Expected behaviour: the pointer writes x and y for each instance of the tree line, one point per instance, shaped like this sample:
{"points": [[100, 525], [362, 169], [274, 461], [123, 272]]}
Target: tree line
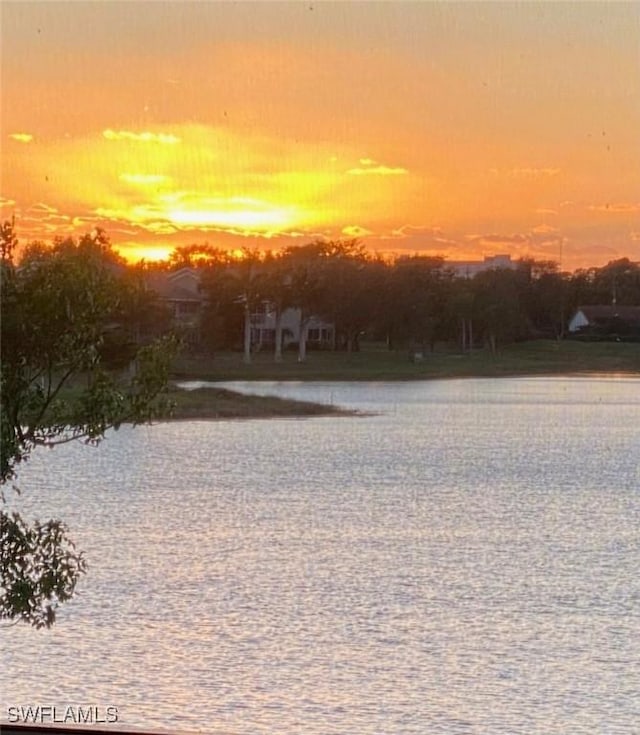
{"points": [[410, 302]]}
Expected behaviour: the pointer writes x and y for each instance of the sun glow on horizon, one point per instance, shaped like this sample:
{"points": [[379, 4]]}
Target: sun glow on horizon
{"points": [[197, 178], [144, 179], [237, 213], [250, 221], [144, 137], [136, 252], [21, 137], [417, 127]]}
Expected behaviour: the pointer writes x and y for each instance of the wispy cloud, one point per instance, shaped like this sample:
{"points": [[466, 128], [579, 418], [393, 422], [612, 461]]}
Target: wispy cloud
{"points": [[378, 171], [618, 208], [495, 239], [544, 229], [546, 211], [143, 179], [21, 137], [369, 166], [42, 207], [526, 172], [40, 221], [194, 211], [421, 239], [86, 219], [414, 230], [356, 231], [144, 137]]}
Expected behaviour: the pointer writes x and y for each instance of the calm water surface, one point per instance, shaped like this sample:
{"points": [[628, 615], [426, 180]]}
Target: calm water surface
{"points": [[464, 560]]}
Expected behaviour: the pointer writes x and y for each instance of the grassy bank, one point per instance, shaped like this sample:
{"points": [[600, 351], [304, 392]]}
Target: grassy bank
{"points": [[217, 403], [375, 362]]}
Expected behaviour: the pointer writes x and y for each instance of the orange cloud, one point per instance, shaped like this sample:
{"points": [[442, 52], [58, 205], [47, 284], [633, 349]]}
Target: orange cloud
{"points": [[42, 207], [413, 230], [377, 171], [544, 229], [356, 231], [143, 179], [621, 208], [21, 137], [252, 215], [144, 137], [526, 172], [215, 180]]}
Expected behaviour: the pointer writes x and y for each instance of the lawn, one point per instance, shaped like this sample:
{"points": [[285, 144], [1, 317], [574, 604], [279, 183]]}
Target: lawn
{"points": [[375, 362]]}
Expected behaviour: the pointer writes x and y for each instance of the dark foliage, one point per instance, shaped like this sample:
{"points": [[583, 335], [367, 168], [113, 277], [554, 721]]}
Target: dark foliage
{"points": [[72, 368]]}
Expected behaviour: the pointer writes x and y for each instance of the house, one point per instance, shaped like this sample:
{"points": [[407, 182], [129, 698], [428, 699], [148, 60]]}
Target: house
{"points": [[470, 268], [319, 333], [606, 320], [180, 291]]}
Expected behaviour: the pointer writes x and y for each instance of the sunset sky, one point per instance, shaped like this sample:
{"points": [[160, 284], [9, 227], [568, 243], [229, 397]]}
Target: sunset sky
{"points": [[458, 129]]}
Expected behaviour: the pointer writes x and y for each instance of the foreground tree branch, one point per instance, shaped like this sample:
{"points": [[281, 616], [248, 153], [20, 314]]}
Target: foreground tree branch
{"points": [[64, 310]]}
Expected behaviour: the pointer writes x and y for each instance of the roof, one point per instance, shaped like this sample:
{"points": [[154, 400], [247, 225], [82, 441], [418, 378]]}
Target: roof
{"points": [[166, 285], [600, 312]]}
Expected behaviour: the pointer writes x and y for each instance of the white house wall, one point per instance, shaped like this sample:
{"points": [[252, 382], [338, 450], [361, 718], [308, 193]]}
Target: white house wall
{"points": [[290, 323], [578, 321]]}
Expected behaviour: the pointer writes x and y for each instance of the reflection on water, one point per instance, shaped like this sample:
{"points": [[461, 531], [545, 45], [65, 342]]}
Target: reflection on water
{"points": [[463, 561]]}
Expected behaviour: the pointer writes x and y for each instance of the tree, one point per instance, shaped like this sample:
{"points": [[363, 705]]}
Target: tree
{"points": [[544, 293], [418, 288], [234, 291], [276, 290], [8, 240], [498, 307], [351, 290], [61, 307], [459, 312], [305, 266], [194, 256], [247, 274], [618, 282]]}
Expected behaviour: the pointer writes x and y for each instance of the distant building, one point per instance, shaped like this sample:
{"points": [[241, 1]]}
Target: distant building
{"points": [[180, 291], [606, 318], [470, 268], [319, 333]]}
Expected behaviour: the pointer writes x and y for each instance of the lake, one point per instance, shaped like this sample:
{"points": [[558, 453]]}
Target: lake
{"points": [[464, 558]]}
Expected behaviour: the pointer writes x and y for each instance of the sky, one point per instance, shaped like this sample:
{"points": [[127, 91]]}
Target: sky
{"points": [[461, 129]]}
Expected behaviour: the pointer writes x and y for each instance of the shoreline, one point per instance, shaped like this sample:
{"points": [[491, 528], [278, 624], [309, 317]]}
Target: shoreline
{"points": [[222, 382], [219, 403], [222, 404], [375, 363]]}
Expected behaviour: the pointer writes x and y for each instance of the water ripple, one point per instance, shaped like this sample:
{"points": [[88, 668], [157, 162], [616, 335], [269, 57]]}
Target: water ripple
{"points": [[464, 561]]}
